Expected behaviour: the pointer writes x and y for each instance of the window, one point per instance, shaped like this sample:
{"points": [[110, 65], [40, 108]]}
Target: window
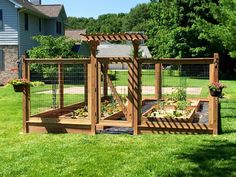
{"points": [[58, 27], [40, 25], [1, 19], [26, 22], [1, 60]]}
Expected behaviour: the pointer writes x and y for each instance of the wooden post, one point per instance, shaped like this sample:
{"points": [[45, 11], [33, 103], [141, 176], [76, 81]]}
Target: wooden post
{"points": [[213, 102], [137, 95], [130, 93], [105, 85], [61, 85], [158, 81], [93, 89], [86, 83], [26, 95]]}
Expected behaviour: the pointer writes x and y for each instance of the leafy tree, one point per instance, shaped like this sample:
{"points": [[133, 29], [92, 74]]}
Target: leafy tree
{"points": [[137, 19], [226, 30], [53, 47], [182, 29]]}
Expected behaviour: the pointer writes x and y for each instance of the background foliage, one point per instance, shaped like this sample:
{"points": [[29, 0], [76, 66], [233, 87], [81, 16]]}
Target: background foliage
{"points": [[176, 28]]}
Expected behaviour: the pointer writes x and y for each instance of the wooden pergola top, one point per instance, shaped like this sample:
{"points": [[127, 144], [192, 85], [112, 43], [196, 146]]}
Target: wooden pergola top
{"points": [[114, 37]]}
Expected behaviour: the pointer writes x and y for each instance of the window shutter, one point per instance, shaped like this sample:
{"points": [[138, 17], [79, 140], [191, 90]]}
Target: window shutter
{"points": [[1, 60]]}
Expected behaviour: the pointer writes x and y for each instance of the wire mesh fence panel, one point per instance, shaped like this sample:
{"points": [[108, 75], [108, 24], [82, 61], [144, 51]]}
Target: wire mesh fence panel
{"points": [[75, 79], [117, 90], [183, 88], [148, 80], [193, 79], [44, 97]]}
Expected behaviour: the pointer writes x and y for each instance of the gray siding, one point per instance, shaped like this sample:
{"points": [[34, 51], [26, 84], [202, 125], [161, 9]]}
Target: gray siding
{"points": [[26, 41], [50, 27], [9, 33]]}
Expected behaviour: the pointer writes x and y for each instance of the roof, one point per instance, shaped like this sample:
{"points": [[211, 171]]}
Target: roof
{"points": [[121, 50], [75, 34], [114, 37], [49, 11]]}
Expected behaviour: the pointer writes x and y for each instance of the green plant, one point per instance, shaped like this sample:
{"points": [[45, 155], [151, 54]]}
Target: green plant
{"points": [[112, 75], [18, 82], [216, 86], [37, 83], [178, 95], [182, 105]]}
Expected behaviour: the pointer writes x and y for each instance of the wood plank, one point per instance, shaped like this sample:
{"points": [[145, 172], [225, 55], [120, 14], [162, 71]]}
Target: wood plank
{"points": [[26, 95], [137, 89], [116, 95], [64, 121], [58, 61], [173, 61], [57, 112], [86, 83], [115, 116], [93, 89], [173, 125], [214, 101], [173, 131], [114, 59], [115, 123], [81, 129]]}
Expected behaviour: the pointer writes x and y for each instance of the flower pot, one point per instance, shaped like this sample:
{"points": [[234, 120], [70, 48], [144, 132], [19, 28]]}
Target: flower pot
{"points": [[19, 88], [217, 93]]}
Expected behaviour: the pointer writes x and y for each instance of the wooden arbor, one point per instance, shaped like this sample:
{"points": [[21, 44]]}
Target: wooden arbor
{"points": [[56, 120], [133, 112]]}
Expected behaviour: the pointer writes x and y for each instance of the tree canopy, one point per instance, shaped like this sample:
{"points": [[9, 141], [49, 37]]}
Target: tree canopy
{"points": [[176, 28]]}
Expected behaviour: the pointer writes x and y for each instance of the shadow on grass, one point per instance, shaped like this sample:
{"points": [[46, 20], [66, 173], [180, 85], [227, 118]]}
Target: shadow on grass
{"points": [[212, 158]]}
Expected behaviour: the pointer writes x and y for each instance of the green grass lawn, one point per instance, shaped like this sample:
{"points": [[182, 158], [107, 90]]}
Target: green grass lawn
{"points": [[53, 155]]}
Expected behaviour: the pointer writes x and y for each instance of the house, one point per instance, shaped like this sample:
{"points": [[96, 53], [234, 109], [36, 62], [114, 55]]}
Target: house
{"points": [[19, 21], [121, 50], [75, 34]]}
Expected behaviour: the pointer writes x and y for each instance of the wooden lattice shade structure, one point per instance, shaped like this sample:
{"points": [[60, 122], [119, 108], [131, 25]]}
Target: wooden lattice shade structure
{"points": [[114, 37], [133, 111]]}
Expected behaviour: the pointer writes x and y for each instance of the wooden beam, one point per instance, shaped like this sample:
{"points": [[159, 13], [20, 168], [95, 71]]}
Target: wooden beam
{"points": [[174, 61], [113, 37], [136, 89], [214, 101], [58, 61], [116, 95], [115, 59], [130, 93], [93, 89], [26, 95], [158, 81], [86, 83]]}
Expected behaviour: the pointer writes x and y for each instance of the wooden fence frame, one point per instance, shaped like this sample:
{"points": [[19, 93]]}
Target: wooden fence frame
{"points": [[93, 67]]}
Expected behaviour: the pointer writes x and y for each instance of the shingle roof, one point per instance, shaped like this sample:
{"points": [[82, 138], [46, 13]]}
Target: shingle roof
{"points": [[75, 34], [29, 6], [44, 10], [51, 11], [120, 50]]}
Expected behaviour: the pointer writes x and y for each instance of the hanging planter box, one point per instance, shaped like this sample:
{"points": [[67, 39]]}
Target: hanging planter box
{"points": [[18, 88], [216, 93]]}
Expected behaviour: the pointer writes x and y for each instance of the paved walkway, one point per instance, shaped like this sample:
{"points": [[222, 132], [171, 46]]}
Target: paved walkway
{"points": [[146, 90]]}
